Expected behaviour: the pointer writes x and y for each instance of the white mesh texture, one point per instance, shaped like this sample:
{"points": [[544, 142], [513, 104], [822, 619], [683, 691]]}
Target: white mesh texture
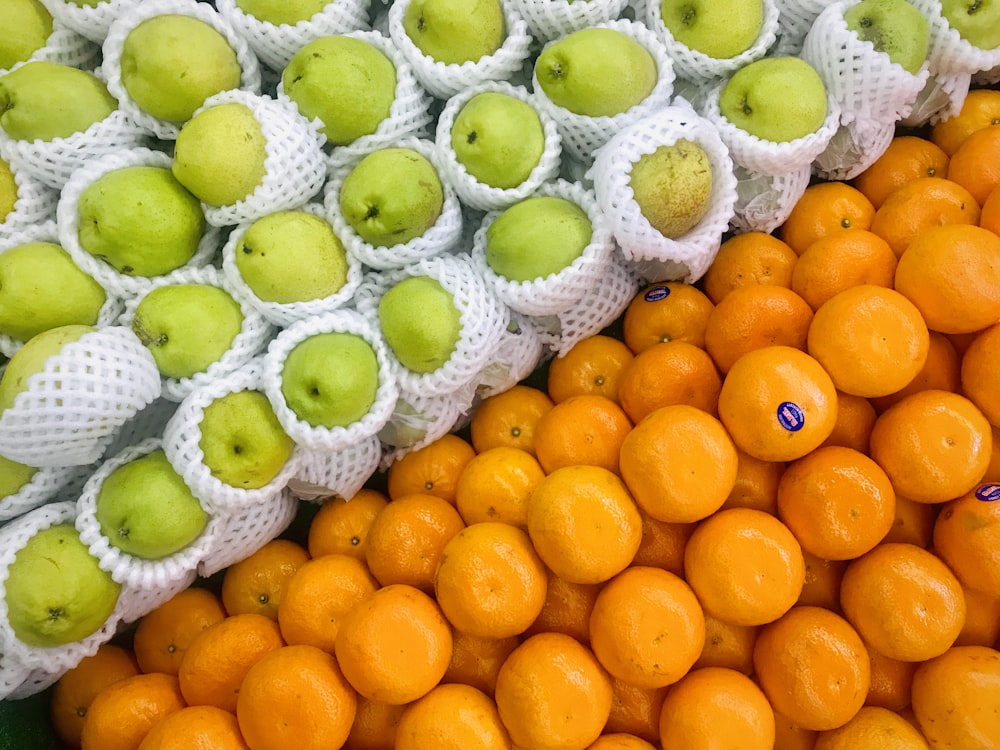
{"points": [[548, 19], [853, 148], [43, 487], [35, 204], [65, 47], [795, 18], [519, 353], [243, 532], [420, 419], [18, 682], [147, 423], [764, 202], [325, 474], [90, 21], [949, 53]]}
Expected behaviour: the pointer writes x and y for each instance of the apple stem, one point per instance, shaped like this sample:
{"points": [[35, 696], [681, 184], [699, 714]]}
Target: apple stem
{"points": [[688, 15], [745, 106], [56, 613], [975, 7], [372, 212]]}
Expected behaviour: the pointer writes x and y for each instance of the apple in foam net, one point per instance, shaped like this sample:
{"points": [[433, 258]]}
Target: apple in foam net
{"points": [[596, 72], [717, 28], [145, 509], [279, 12], [31, 359], [172, 62], [13, 477], [392, 196], [347, 83], [41, 288], [140, 220], [758, 98], [976, 21], [187, 327], [455, 31], [498, 138], [8, 190], [894, 27], [330, 379], [673, 186], [56, 593], [537, 237], [27, 25], [420, 322], [291, 256]]}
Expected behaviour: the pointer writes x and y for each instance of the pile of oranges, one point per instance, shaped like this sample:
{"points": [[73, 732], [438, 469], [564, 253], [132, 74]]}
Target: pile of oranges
{"points": [[764, 514]]}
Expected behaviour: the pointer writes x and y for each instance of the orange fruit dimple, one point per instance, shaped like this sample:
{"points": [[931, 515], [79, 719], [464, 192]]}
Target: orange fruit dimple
{"points": [[908, 157], [920, 205], [164, 634], [258, 582], [967, 537], [124, 712], [674, 372], [196, 728], [452, 717], [748, 259], [980, 109], [978, 369], [841, 260], [432, 469], [666, 311], [976, 164], [825, 208], [509, 418], [341, 526], [592, 365]]}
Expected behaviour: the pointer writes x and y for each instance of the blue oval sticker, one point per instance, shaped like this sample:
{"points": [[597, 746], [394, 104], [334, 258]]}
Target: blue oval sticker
{"points": [[790, 416], [988, 492], [656, 293]]}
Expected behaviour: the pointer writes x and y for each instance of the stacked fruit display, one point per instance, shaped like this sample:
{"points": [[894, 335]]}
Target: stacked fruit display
{"points": [[254, 253]]}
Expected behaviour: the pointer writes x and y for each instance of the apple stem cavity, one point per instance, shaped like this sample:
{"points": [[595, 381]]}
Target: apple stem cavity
{"points": [[689, 15]]}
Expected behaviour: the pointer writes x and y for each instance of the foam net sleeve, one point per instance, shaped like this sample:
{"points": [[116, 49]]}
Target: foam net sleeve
{"points": [[444, 80], [419, 419], [520, 351], [122, 26], [853, 148], [325, 474], [243, 532], [89, 21], [548, 19], [35, 204], [471, 191], [272, 374], [65, 47], [795, 18], [581, 134], [72, 408], [764, 202], [638, 239], [276, 44], [44, 486]]}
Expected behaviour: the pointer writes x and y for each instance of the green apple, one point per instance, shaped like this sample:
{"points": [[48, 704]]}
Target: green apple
{"points": [[187, 327], [43, 100], [391, 196], [420, 322], [346, 83], [455, 31], [330, 379], [758, 98], [976, 21], [536, 237], [31, 358], [171, 63], [596, 72], [27, 25], [13, 477], [56, 593], [717, 28], [279, 12], [41, 287], [498, 138], [291, 256], [243, 443], [673, 186], [8, 190], [220, 153], [894, 27], [141, 220], [145, 509]]}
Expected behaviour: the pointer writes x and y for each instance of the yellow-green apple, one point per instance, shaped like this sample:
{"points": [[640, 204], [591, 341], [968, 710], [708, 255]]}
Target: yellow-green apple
{"points": [[280, 12], [455, 31], [673, 186], [717, 28], [13, 477], [894, 27], [8, 190], [27, 25], [31, 359], [976, 21], [420, 322]]}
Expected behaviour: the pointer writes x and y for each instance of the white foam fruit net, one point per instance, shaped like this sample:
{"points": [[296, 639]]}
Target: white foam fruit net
{"points": [[694, 250], [420, 419], [471, 191], [272, 377], [251, 340], [285, 313], [147, 423], [18, 682], [482, 318], [243, 532], [409, 114], [181, 444], [294, 168], [325, 474], [276, 44], [693, 64], [583, 135], [91, 21], [763, 202], [519, 352], [123, 25], [853, 148], [65, 47], [71, 410], [35, 204], [43, 487], [444, 80], [548, 19], [68, 222], [795, 18], [441, 237]]}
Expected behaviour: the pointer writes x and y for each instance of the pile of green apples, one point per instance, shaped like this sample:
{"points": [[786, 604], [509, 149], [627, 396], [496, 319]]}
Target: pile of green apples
{"points": [[216, 233]]}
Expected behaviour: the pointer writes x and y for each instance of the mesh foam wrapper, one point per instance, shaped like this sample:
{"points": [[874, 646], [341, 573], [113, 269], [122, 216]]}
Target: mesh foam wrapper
{"points": [[420, 419], [581, 134], [598, 309], [52, 659], [410, 113], [940, 99], [638, 239], [68, 222], [868, 86], [47, 232], [441, 237], [984, 78], [329, 438], [18, 682], [795, 18], [294, 167], [482, 319], [130, 570], [325, 474], [764, 202], [90, 21], [252, 339], [276, 44], [690, 63], [35, 204], [53, 162], [854, 148], [770, 157], [548, 19], [182, 434], [45, 486], [124, 24], [65, 47], [444, 80], [520, 351], [470, 190], [278, 313], [147, 423], [245, 531], [71, 410]]}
